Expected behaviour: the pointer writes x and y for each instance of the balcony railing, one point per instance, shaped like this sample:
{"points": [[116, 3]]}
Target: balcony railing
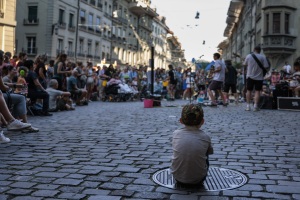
{"points": [[61, 25], [97, 57], [82, 27], [280, 43], [70, 53], [72, 28], [31, 21], [32, 50], [81, 54], [59, 51], [89, 56]]}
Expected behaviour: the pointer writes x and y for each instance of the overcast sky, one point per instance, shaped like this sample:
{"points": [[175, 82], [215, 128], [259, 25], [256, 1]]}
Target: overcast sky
{"points": [[180, 17]]}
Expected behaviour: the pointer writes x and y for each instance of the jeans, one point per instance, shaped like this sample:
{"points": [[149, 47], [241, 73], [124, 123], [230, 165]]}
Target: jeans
{"points": [[19, 103], [38, 94]]}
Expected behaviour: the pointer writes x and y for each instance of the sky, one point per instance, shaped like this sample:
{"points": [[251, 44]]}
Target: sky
{"points": [[191, 32]]}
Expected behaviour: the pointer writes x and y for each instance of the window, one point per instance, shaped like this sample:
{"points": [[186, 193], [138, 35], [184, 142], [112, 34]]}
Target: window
{"points": [[92, 2], [286, 23], [267, 23], [82, 16], [98, 23], [71, 20], [31, 45], [90, 22], [1, 8], [81, 43], [32, 13], [70, 46], [60, 45], [61, 16], [276, 22], [96, 49], [89, 48]]}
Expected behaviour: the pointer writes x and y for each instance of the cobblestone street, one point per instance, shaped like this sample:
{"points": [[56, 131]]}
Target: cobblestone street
{"points": [[111, 150]]}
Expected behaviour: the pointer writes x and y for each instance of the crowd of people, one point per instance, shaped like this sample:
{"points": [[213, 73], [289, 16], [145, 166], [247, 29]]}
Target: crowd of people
{"points": [[44, 87]]}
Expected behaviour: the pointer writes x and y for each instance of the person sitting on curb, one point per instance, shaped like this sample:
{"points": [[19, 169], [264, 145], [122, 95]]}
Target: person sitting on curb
{"points": [[7, 119], [35, 89], [58, 100], [191, 147], [79, 95]]}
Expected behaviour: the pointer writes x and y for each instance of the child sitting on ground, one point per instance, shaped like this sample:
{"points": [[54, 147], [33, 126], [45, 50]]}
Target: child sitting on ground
{"points": [[191, 147]]}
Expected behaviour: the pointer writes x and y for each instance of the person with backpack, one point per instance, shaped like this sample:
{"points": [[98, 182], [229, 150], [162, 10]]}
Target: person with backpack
{"points": [[257, 66]]}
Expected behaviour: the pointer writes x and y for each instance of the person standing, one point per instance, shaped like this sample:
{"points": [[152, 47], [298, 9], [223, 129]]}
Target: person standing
{"points": [[218, 79], [172, 83], [255, 75], [230, 81], [287, 68]]}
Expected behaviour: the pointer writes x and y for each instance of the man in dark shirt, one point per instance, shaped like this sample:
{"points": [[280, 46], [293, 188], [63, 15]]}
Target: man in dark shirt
{"points": [[230, 81], [172, 83]]}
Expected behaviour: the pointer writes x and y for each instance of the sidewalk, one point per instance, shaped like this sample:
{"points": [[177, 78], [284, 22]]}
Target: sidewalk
{"points": [[111, 150]]}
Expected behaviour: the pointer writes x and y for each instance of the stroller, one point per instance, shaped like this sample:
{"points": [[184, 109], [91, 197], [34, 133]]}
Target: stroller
{"points": [[114, 93]]}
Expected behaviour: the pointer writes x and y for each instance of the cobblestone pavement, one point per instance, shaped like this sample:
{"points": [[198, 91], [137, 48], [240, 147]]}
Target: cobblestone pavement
{"points": [[111, 150]]}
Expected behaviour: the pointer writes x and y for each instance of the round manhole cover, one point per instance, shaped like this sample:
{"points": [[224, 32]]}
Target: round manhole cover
{"points": [[217, 179]]}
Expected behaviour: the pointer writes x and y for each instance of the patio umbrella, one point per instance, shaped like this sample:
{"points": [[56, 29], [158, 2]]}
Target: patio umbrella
{"points": [[209, 65]]}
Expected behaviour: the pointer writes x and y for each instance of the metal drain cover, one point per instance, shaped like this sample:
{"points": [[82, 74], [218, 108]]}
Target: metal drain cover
{"points": [[217, 179]]}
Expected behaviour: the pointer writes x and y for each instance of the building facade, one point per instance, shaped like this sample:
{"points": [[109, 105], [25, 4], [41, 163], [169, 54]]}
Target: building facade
{"points": [[97, 31], [7, 25], [272, 24]]}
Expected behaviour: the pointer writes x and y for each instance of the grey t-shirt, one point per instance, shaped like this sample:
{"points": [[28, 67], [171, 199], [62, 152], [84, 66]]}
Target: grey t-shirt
{"points": [[53, 94], [190, 146], [253, 70], [219, 76]]}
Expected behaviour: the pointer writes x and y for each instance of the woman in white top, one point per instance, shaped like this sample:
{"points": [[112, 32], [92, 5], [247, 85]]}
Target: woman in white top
{"points": [[189, 91]]}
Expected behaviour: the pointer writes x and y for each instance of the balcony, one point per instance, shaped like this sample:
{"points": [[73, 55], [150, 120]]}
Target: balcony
{"points": [[123, 20], [279, 44], [97, 57], [89, 56], [61, 25], [72, 28], [81, 54], [140, 8], [59, 51], [91, 29], [146, 27], [28, 22], [32, 51], [82, 27], [70, 54]]}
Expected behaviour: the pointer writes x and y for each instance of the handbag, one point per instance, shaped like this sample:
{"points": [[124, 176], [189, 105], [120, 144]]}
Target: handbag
{"points": [[259, 64]]}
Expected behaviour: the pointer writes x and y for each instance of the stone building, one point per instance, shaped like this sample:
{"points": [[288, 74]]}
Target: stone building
{"points": [[273, 24], [98, 31], [7, 25]]}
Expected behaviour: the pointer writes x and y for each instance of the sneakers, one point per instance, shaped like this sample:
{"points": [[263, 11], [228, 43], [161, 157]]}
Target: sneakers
{"points": [[17, 125], [30, 130], [3, 138], [248, 108]]}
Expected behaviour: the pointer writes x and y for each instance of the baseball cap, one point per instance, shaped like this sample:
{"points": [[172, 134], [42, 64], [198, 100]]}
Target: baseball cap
{"points": [[192, 114]]}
